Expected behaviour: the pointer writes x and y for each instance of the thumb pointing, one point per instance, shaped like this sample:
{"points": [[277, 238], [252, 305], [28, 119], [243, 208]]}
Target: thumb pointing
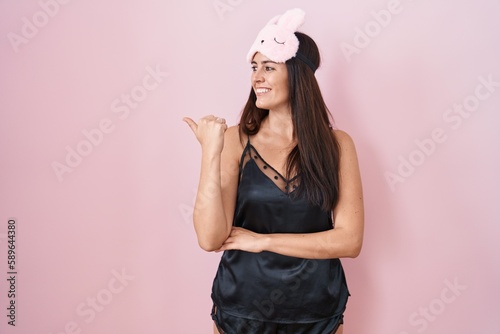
{"points": [[192, 124]]}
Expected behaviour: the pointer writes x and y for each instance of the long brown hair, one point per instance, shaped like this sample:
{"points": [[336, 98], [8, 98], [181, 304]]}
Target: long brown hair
{"points": [[316, 156]]}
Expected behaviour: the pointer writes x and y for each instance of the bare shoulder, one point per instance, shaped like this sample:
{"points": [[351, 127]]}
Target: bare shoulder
{"points": [[233, 146], [233, 132], [232, 137], [345, 141]]}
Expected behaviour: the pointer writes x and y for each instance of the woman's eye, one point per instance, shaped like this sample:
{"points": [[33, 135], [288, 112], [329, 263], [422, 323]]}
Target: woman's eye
{"points": [[267, 69]]}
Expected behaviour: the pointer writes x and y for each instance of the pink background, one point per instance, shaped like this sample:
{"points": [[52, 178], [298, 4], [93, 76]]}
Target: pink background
{"points": [[125, 206]]}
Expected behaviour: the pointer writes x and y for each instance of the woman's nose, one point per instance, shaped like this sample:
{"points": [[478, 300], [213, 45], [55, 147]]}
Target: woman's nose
{"points": [[257, 76]]}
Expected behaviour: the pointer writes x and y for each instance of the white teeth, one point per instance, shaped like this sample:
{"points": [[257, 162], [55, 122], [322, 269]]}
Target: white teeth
{"points": [[262, 90]]}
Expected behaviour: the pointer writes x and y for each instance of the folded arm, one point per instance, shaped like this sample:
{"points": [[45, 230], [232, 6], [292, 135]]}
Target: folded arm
{"points": [[216, 195], [345, 240]]}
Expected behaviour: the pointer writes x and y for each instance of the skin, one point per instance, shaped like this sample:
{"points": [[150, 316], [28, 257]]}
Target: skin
{"points": [[221, 151]]}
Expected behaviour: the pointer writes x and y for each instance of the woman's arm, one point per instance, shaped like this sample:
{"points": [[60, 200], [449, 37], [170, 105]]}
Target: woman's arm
{"points": [[216, 195], [345, 240]]}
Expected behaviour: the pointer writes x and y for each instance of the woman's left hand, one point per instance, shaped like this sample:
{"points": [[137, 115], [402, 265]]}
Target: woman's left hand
{"points": [[243, 239]]}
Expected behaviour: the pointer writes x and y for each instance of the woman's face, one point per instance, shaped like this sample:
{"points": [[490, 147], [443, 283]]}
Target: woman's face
{"points": [[270, 83]]}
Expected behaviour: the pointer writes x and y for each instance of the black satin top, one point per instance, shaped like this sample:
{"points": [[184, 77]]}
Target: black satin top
{"points": [[268, 286]]}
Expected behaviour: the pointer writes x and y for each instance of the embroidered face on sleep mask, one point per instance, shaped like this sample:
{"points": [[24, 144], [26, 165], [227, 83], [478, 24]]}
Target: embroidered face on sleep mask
{"points": [[277, 40]]}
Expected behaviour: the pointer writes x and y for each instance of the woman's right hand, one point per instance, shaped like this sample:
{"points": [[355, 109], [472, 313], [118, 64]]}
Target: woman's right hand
{"points": [[209, 132]]}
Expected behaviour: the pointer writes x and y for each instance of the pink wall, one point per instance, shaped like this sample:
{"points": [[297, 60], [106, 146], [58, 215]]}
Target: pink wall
{"points": [[104, 242]]}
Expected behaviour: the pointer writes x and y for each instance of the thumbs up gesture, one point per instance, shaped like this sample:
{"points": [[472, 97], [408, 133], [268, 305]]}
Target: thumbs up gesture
{"points": [[209, 131]]}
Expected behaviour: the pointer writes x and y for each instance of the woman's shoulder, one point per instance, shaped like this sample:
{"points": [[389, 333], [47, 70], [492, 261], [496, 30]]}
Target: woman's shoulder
{"points": [[344, 139], [233, 143], [233, 135], [341, 135], [233, 130]]}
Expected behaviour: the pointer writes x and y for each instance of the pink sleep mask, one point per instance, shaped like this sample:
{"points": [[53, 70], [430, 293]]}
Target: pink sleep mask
{"points": [[277, 40]]}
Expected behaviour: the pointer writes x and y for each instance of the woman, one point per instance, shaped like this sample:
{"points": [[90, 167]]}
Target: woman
{"points": [[281, 195]]}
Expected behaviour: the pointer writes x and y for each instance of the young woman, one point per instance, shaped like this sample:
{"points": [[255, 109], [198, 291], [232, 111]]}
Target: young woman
{"points": [[281, 195]]}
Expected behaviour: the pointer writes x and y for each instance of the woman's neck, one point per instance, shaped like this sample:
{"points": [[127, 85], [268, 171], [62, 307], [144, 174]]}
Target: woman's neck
{"points": [[280, 123]]}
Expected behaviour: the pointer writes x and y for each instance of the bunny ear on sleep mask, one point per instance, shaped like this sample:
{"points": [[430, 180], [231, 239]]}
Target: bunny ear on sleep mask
{"points": [[277, 40]]}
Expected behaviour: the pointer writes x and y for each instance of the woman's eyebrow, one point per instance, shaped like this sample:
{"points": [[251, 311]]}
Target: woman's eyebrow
{"points": [[265, 62], [268, 61]]}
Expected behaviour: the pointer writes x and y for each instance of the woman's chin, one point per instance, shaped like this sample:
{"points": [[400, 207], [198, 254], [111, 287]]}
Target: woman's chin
{"points": [[261, 104]]}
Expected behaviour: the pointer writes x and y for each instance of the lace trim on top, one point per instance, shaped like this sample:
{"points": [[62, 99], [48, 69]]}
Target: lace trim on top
{"points": [[250, 154]]}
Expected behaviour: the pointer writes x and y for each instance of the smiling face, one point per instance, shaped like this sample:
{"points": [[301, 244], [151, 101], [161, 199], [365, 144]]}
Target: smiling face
{"points": [[270, 83]]}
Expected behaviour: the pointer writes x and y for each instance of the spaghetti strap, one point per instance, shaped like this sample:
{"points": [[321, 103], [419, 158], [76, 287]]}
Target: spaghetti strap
{"points": [[245, 151]]}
